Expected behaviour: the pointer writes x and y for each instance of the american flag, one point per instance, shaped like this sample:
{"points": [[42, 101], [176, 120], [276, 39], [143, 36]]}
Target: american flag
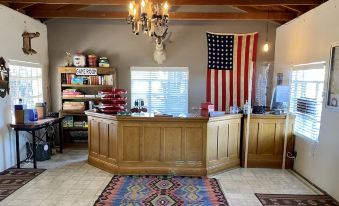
{"points": [[229, 58]]}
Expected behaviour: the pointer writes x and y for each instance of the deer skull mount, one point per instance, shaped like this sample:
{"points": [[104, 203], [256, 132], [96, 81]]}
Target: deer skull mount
{"points": [[159, 52], [27, 45]]}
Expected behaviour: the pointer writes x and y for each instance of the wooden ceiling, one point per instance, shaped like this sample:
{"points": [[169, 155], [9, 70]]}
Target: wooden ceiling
{"points": [[275, 10]]}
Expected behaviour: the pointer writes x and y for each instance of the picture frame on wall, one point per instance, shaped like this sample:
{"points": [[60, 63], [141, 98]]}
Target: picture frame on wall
{"points": [[333, 80]]}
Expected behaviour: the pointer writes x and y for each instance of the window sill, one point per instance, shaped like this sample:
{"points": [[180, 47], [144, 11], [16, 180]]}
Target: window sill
{"points": [[307, 139]]}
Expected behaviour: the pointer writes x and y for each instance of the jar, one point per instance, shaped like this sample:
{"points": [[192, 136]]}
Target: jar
{"points": [[92, 60], [103, 62], [79, 60]]}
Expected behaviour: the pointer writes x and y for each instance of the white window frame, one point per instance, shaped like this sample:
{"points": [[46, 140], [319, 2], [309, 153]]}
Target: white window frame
{"points": [[309, 66], [165, 69], [15, 63]]}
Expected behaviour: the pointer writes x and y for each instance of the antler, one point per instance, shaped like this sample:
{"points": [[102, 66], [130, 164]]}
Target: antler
{"points": [[162, 36]]}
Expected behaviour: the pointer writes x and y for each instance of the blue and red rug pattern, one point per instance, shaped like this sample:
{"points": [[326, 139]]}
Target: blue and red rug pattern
{"points": [[162, 191]]}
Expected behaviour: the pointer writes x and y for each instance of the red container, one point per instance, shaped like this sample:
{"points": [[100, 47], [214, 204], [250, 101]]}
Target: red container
{"points": [[207, 106], [92, 60], [113, 91]]}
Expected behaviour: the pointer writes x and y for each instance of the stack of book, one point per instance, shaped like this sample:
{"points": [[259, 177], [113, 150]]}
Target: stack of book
{"points": [[72, 93], [79, 106]]}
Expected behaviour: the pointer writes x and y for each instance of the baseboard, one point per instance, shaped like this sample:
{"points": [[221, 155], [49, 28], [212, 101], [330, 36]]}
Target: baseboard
{"points": [[294, 172]]}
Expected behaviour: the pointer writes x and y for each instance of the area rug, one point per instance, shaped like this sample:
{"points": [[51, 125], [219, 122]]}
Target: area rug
{"points": [[13, 179], [296, 200], [162, 191]]}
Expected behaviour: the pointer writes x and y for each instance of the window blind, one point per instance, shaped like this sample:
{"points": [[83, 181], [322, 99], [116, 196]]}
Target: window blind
{"points": [[25, 82], [307, 84], [164, 89]]}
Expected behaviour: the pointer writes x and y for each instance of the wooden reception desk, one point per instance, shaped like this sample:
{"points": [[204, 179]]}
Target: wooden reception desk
{"points": [[164, 145]]}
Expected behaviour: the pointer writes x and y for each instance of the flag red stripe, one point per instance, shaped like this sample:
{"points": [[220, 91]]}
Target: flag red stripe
{"points": [[208, 86], [223, 108], [254, 59], [216, 90], [247, 53], [239, 69]]}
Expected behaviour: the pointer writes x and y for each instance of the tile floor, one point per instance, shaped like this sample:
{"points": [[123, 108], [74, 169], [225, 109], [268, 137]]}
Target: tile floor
{"points": [[69, 180]]}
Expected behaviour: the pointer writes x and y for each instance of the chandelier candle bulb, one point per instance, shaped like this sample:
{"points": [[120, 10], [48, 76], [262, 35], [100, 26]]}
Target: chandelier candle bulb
{"points": [[143, 5], [165, 9], [131, 9]]}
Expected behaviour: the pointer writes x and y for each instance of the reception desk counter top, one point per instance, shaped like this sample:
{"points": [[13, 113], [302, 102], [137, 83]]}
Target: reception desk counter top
{"points": [[148, 144]]}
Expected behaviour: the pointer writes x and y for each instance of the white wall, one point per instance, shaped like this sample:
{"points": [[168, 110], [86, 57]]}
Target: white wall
{"points": [[12, 25], [308, 39]]}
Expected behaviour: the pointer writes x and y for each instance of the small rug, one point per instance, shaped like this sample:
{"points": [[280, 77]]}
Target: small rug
{"points": [[296, 200], [162, 191], [13, 179]]}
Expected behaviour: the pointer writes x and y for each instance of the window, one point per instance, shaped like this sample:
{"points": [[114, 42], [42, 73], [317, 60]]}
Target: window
{"points": [[25, 82], [164, 89], [307, 84]]}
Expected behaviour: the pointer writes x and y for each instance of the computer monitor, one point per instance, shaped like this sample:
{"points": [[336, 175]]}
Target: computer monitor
{"points": [[281, 95]]}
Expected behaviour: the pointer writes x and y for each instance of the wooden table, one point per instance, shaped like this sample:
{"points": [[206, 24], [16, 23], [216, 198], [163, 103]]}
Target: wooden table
{"points": [[33, 127]]}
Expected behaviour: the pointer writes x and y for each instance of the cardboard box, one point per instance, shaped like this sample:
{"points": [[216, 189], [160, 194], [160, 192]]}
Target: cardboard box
{"points": [[19, 116]]}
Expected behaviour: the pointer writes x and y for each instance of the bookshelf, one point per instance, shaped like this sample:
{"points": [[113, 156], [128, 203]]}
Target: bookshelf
{"points": [[75, 88]]}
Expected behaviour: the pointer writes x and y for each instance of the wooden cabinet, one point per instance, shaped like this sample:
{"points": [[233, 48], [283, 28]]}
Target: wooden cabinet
{"points": [[223, 144], [103, 141], [162, 147], [266, 141]]}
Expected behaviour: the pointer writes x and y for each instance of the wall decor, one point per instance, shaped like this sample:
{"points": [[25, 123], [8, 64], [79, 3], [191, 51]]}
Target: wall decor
{"points": [[333, 80], [27, 42], [159, 54], [4, 78]]}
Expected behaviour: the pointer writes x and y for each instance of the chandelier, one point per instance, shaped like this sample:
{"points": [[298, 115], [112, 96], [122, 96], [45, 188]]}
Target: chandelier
{"points": [[150, 18]]}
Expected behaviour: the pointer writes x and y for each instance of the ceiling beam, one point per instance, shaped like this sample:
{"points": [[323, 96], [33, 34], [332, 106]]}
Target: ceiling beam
{"points": [[248, 9], [298, 9], [20, 6], [72, 7], [4, 3], [179, 2], [173, 16]]}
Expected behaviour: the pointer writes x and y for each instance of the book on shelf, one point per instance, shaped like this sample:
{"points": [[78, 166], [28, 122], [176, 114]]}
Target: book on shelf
{"points": [[87, 80]]}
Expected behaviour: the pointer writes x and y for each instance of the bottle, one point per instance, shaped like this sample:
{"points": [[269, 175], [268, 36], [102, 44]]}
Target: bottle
{"points": [[246, 107]]}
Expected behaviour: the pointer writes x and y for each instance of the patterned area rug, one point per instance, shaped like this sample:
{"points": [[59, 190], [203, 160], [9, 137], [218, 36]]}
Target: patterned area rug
{"points": [[162, 191], [296, 200], [13, 179]]}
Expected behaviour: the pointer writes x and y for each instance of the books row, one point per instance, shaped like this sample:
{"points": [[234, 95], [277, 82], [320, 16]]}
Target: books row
{"points": [[87, 80]]}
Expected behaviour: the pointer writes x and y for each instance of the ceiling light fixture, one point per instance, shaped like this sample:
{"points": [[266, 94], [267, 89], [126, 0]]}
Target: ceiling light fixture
{"points": [[150, 18], [266, 46]]}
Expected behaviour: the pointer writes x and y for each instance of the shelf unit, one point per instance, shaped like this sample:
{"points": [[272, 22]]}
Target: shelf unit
{"points": [[81, 98], [88, 89]]}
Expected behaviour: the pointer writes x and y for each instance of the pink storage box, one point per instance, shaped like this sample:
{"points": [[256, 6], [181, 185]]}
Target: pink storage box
{"points": [[207, 106]]}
